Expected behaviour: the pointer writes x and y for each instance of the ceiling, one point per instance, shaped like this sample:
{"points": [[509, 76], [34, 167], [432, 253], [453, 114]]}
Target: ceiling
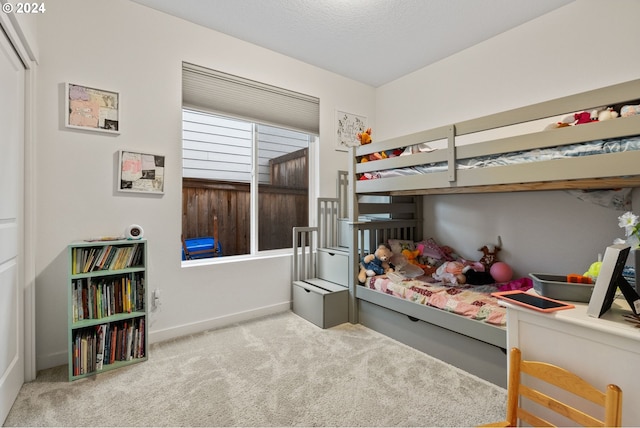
{"points": [[371, 41]]}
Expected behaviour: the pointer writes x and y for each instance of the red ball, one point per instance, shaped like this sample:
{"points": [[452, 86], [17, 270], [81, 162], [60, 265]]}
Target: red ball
{"points": [[501, 272]]}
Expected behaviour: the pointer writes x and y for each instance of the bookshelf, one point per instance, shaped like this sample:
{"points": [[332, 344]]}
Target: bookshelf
{"points": [[107, 306]]}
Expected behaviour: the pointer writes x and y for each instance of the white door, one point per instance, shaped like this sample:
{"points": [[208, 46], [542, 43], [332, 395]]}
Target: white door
{"points": [[12, 95]]}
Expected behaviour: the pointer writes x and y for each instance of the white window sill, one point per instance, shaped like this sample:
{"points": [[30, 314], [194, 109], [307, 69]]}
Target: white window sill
{"points": [[285, 252]]}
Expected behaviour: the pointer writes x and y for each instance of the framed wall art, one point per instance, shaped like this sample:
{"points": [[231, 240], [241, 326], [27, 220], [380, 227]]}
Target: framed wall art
{"points": [[347, 127], [140, 172], [92, 109]]}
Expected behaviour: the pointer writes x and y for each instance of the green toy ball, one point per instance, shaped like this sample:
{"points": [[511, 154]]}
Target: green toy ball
{"points": [[594, 270]]}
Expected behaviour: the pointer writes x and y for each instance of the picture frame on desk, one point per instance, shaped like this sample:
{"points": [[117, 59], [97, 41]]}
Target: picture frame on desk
{"points": [[92, 109], [609, 280]]}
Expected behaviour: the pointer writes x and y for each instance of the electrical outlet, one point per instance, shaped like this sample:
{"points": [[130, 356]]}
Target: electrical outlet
{"points": [[156, 298]]}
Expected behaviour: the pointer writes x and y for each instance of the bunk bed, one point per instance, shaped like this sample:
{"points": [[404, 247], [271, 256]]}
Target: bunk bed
{"points": [[610, 169], [597, 155]]}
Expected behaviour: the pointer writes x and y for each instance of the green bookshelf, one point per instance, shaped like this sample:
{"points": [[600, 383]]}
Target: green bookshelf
{"points": [[107, 306]]}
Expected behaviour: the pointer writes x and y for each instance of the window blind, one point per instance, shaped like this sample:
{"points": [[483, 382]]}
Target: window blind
{"points": [[215, 91]]}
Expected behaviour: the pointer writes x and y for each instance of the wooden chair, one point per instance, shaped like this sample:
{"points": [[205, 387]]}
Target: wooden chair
{"points": [[611, 400]]}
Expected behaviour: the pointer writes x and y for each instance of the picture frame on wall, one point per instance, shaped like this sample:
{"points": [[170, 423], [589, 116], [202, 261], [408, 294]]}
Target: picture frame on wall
{"points": [[141, 172], [347, 127], [92, 109]]}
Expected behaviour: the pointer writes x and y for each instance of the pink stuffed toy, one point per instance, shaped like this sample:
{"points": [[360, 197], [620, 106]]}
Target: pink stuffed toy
{"points": [[450, 272]]}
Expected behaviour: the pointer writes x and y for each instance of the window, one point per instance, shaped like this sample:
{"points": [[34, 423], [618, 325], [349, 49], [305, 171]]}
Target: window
{"points": [[246, 149], [222, 189]]}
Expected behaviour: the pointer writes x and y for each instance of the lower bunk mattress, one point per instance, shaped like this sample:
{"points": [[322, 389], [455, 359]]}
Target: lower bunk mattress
{"points": [[470, 301]]}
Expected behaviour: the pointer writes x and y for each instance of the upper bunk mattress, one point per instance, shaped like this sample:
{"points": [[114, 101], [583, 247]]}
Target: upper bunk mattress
{"points": [[589, 148]]}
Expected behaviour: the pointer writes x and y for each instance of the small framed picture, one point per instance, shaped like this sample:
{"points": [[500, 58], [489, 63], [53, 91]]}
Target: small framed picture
{"points": [[140, 172], [347, 127], [92, 109]]}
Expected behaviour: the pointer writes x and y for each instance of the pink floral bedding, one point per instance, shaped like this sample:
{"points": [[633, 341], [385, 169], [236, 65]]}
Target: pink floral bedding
{"points": [[470, 301]]}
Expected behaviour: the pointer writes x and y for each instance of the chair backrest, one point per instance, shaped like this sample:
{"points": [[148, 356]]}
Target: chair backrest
{"points": [[610, 400]]}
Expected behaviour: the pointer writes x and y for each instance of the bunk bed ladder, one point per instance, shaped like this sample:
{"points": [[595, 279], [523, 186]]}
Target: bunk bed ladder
{"points": [[304, 259], [328, 222]]}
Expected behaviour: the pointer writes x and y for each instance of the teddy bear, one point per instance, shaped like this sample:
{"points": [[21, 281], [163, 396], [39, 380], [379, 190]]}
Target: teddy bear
{"points": [[376, 263]]}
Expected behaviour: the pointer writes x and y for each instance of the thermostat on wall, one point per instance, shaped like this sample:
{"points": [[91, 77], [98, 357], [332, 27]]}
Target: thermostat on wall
{"points": [[134, 232]]}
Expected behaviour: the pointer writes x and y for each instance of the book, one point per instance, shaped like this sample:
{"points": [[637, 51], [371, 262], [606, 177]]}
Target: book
{"points": [[83, 355], [100, 346], [113, 344]]}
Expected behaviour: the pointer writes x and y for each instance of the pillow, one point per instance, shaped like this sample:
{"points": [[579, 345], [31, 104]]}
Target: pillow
{"points": [[397, 245], [431, 249]]}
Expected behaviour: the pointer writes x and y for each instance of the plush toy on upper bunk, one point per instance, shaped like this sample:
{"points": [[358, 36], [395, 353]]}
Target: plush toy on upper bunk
{"points": [[365, 138], [599, 114]]}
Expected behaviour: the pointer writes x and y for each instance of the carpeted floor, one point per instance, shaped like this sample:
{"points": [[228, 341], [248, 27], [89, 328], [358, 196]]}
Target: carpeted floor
{"points": [[276, 371]]}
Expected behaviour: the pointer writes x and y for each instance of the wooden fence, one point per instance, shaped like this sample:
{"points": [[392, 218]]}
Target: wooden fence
{"points": [[282, 205]]}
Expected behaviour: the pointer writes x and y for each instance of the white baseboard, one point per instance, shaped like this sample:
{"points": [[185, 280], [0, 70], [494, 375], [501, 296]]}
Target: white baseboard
{"points": [[51, 360], [60, 358], [213, 323]]}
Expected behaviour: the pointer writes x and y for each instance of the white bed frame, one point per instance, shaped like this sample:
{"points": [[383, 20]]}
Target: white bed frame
{"points": [[474, 346]]}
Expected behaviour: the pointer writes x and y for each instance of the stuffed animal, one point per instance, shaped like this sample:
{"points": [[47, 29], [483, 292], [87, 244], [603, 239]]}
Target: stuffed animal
{"points": [[594, 269], [450, 272], [557, 125], [629, 110], [412, 256], [490, 254], [375, 264], [477, 277], [606, 113], [364, 137], [583, 117], [598, 114]]}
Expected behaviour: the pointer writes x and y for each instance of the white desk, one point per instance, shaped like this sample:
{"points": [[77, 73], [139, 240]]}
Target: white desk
{"points": [[600, 350]]}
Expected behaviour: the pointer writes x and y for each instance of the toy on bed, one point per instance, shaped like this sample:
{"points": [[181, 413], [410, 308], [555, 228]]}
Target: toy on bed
{"points": [[490, 254], [477, 277], [404, 268], [374, 264], [598, 114], [365, 138], [450, 273], [630, 110]]}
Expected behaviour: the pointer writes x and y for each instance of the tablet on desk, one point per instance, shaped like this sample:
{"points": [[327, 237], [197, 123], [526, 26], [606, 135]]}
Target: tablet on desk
{"points": [[538, 303]]}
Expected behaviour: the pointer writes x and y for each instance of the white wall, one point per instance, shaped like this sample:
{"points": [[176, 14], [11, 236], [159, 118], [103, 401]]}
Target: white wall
{"points": [[585, 45], [122, 46]]}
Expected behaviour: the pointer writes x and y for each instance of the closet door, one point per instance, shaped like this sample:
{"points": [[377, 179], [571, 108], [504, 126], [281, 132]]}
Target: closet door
{"points": [[12, 88]]}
